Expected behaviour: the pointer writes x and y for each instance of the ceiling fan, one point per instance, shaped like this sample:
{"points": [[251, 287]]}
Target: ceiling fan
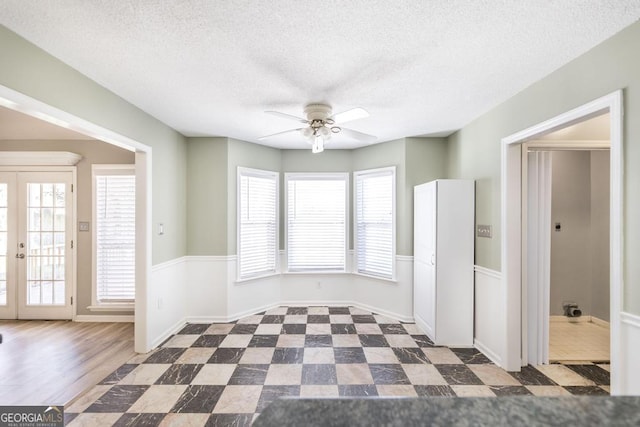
{"points": [[321, 124]]}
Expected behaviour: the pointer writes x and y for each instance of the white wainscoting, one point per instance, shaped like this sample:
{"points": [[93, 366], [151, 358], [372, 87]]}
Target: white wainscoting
{"points": [[490, 312], [203, 289], [629, 380]]}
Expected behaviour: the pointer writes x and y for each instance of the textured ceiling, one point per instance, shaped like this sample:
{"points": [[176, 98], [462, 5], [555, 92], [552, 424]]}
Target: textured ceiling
{"points": [[211, 68]]}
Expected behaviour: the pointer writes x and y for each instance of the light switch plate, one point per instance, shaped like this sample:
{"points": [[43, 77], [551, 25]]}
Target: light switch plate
{"points": [[483, 231], [83, 226]]}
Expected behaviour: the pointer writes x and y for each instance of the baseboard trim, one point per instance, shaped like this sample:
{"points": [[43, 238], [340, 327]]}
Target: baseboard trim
{"points": [[107, 319], [630, 319], [168, 264], [487, 272], [168, 333], [487, 352], [581, 319]]}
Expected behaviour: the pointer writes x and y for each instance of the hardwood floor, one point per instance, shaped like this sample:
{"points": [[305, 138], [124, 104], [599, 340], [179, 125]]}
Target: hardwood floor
{"points": [[52, 362]]}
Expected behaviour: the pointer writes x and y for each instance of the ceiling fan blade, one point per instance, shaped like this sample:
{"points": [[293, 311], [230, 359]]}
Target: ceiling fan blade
{"points": [[280, 133], [360, 136], [350, 115], [287, 116]]}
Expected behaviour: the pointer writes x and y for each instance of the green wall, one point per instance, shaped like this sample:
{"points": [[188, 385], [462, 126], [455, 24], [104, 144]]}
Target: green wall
{"points": [[474, 151], [33, 72]]}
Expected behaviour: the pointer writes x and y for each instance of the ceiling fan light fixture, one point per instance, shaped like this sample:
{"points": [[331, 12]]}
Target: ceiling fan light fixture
{"points": [[317, 146]]}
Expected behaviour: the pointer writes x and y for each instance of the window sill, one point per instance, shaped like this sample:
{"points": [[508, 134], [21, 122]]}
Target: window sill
{"points": [[112, 307], [314, 273]]}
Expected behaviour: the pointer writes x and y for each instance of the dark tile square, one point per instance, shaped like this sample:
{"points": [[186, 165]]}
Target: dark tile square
{"points": [[349, 355], [423, 341], [118, 374], [318, 341], [434, 390], [373, 341], [358, 390], [118, 398], [227, 420], [68, 417], [141, 420], [587, 390], [363, 318], [318, 318], [410, 355], [227, 355], [392, 329], [458, 375], [264, 341], [294, 329], [272, 392], [194, 329], [249, 375], [592, 372], [529, 375], [198, 399], [180, 373], [343, 328], [297, 310], [339, 310], [320, 374], [209, 340], [165, 355], [288, 355], [387, 373], [272, 318], [510, 390], [471, 356], [244, 329]]}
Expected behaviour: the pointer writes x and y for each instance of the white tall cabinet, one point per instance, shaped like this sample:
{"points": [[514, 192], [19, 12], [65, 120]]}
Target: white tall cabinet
{"points": [[443, 245]]}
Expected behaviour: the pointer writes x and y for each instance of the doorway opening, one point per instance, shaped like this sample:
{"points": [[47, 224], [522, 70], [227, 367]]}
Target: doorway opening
{"points": [[515, 262], [567, 233]]}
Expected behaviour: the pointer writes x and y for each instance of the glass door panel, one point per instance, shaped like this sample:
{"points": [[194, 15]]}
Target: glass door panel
{"points": [[8, 233]]}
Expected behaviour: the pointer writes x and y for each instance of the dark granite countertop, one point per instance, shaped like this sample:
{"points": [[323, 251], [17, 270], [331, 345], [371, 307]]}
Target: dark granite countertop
{"points": [[453, 411]]}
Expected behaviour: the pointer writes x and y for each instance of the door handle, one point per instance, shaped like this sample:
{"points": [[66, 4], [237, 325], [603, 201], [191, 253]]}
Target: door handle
{"points": [[21, 256]]}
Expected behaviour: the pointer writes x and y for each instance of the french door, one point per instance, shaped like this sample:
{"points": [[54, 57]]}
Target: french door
{"points": [[36, 246]]}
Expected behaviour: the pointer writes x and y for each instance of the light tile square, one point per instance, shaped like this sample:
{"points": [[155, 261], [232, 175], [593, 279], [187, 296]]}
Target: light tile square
{"points": [[93, 419], [290, 341], [413, 329], [319, 391], [441, 356], [384, 319], [196, 355], [318, 310], [563, 376], [400, 340], [184, 420], [423, 374], [318, 329], [238, 399], [277, 311], [219, 329], [547, 390], [380, 355], [158, 398], [181, 341], [214, 374], [340, 318], [354, 373], [369, 329], [285, 374], [257, 355], [295, 318], [314, 355], [359, 311], [85, 400], [346, 340], [145, 374], [250, 320], [396, 391], [472, 391], [268, 329], [236, 341], [493, 375]]}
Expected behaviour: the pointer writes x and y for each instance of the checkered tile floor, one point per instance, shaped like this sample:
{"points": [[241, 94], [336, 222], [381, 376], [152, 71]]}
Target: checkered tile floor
{"points": [[225, 374]]}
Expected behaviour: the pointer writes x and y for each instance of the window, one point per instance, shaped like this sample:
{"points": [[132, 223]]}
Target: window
{"points": [[375, 222], [316, 221], [114, 232], [257, 223]]}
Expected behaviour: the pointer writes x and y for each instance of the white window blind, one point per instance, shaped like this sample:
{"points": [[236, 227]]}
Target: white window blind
{"points": [[316, 222], [375, 222], [257, 222], [115, 243]]}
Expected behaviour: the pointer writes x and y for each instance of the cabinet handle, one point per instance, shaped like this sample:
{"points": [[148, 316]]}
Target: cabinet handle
{"points": [[433, 259]]}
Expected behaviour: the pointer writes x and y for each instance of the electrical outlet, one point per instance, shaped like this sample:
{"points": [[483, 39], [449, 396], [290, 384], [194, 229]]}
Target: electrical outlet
{"points": [[483, 231], [83, 226]]}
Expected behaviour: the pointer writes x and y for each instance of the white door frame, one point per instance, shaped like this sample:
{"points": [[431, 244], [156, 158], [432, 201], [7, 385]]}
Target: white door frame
{"points": [[17, 101], [512, 244]]}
